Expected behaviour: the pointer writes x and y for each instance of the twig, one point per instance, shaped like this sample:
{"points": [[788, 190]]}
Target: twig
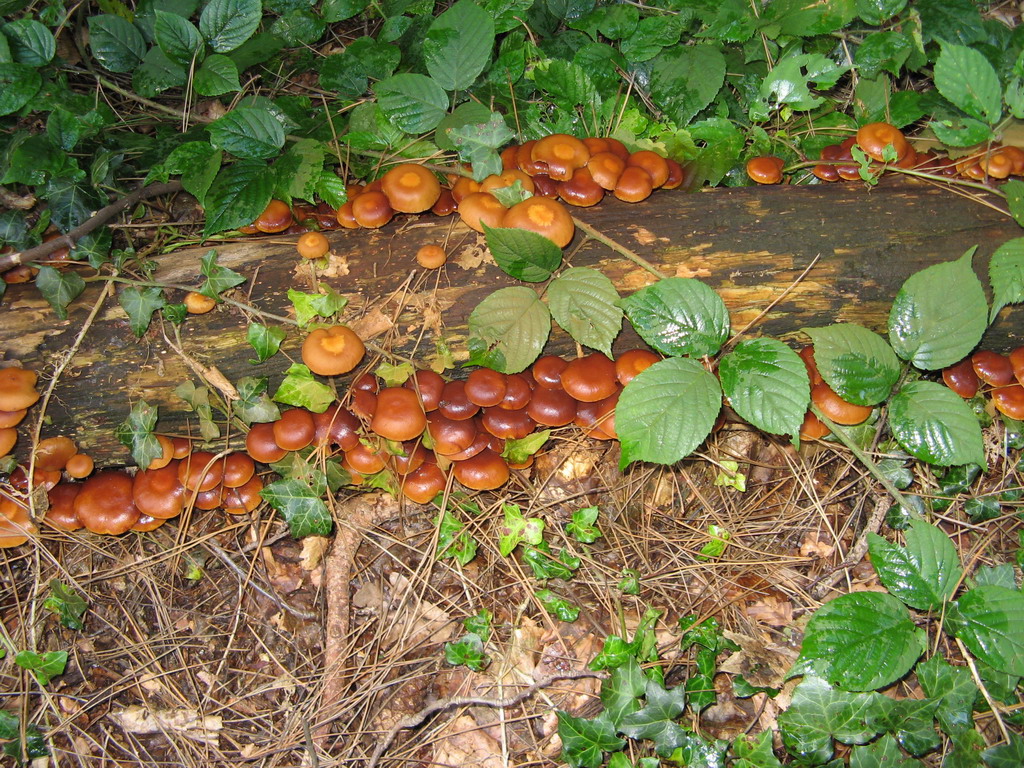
{"points": [[984, 690], [98, 219], [622, 250], [472, 701], [22, 202], [279, 601], [857, 552]]}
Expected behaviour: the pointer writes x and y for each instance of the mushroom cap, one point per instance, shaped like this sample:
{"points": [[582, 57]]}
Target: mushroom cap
{"points": [[371, 209], [994, 369], [1010, 401], [159, 492], [261, 445], [581, 190], [423, 484], [413, 456], [547, 371], [429, 385], [632, 362], [410, 188], [479, 208], [562, 154], [1017, 363], [486, 387], [507, 178], [53, 453], [590, 378], [431, 256], [812, 427], [15, 524], [551, 407], [364, 460], [445, 205], [544, 216], [873, 138], [961, 378], [450, 436], [837, 409], [807, 355], [454, 403], [200, 471], [167, 446], [505, 423], [245, 498], [276, 217], [765, 169], [605, 168], [104, 504], [481, 441], [12, 418], [146, 523], [61, 514], [294, 430], [238, 470], [336, 425], [399, 415], [17, 389], [483, 472], [80, 465], [635, 184], [312, 245], [8, 437], [518, 390], [653, 163], [332, 351]]}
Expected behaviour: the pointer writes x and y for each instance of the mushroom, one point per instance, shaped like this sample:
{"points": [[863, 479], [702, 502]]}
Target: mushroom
{"points": [[507, 178], [15, 524], [835, 408], [238, 470], [1017, 363], [429, 386], [561, 153], [994, 369], [454, 403], [61, 512], [481, 208], [410, 188], [544, 216], [295, 429], [200, 471], [635, 184], [332, 351], [80, 465], [581, 190], [486, 387], [483, 472], [873, 138], [518, 390], [17, 389], [547, 371], [423, 484], [653, 163], [450, 436], [199, 303], [551, 407], [336, 425], [104, 504], [53, 453], [412, 457], [345, 217], [8, 437], [445, 205], [431, 256], [765, 169], [245, 498], [12, 418], [371, 209], [399, 415], [962, 379], [1010, 401], [167, 452], [590, 378], [159, 492], [276, 217], [632, 362], [363, 459], [507, 424], [606, 168], [312, 245]]}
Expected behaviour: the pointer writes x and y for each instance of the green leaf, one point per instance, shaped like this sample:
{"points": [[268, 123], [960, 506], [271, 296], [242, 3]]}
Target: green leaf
{"points": [[858, 364], [1006, 755], [567, 85], [136, 434], [818, 713], [877, 12], [413, 103], [518, 451], [965, 77], [508, 329], [910, 721], [177, 37], [237, 196], [310, 305], [253, 404], [479, 624], [218, 278], [468, 651], [939, 314], [956, 131], [561, 608], [790, 82], [140, 304], [545, 565], [1006, 269], [862, 641], [43, 666], [656, 720], [59, 288], [925, 573], [458, 45], [198, 399], [621, 690], [584, 742], [990, 622], [935, 425], [300, 168], [301, 506], [226, 24], [1014, 190], [766, 383], [253, 133], [454, 540], [217, 75], [518, 529], [583, 301], [340, 10], [11, 735], [157, 73], [582, 526], [198, 163], [803, 19], [301, 388], [478, 142], [18, 84], [30, 41], [679, 316], [667, 411], [117, 44], [523, 254], [885, 752], [265, 340], [954, 690], [755, 751], [685, 79], [67, 603], [469, 113]]}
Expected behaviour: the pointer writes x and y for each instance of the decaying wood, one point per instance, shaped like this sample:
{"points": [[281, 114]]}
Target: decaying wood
{"points": [[749, 244]]}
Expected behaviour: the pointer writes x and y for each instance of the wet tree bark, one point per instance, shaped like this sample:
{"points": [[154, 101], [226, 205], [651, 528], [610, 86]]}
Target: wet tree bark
{"points": [[749, 244]]}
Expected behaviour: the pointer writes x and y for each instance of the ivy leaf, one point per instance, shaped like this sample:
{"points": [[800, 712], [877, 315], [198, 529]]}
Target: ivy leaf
{"points": [[990, 622], [933, 424], [766, 383], [11, 734], [582, 526], [925, 573], [584, 742], [454, 540], [198, 399], [954, 690], [910, 721], [237, 196], [862, 641], [679, 316], [300, 505], [656, 720], [517, 451], [254, 404], [310, 305], [1006, 269], [508, 329], [818, 713], [667, 411], [858, 364], [1006, 755], [559, 607], [583, 302], [140, 304], [136, 434], [43, 666], [59, 288], [302, 389], [518, 529], [67, 603], [523, 254], [621, 690], [545, 565], [885, 752], [755, 751], [939, 315], [468, 651], [265, 340], [218, 278]]}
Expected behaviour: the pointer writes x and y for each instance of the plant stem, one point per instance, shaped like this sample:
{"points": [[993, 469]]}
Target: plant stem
{"points": [[618, 248]]}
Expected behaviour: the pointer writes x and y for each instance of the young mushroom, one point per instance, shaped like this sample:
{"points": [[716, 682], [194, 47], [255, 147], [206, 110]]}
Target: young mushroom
{"points": [[332, 351]]}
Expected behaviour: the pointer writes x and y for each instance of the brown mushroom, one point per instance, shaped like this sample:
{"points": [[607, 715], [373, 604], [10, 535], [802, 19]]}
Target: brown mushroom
{"points": [[53, 453], [547, 371], [423, 484], [8, 437], [15, 524], [481, 208], [634, 185], [632, 362], [399, 415], [431, 256], [17, 389], [653, 163], [200, 471], [765, 169], [590, 378], [450, 436], [245, 498], [159, 492], [12, 418], [873, 138], [483, 472], [276, 217], [295, 429], [551, 407], [561, 153], [363, 459], [61, 511], [332, 351], [544, 216], [581, 190], [261, 445], [454, 403], [1009, 400], [336, 425], [104, 503], [238, 470], [994, 369], [837, 409], [371, 209], [429, 386], [606, 168], [508, 424], [78, 466], [962, 379], [410, 188], [486, 387]]}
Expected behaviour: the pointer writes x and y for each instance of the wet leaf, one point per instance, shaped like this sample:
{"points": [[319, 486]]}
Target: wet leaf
{"points": [[300, 505], [925, 573]]}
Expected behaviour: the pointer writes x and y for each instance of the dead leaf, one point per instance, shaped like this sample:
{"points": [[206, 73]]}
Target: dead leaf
{"points": [[372, 324], [772, 611], [473, 254], [414, 621], [813, 547], [464, 743], [187, 722], [313, 549], [762, 665]]}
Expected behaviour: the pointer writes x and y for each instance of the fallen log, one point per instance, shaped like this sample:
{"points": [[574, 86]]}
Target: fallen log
{"points": [[749, 244]]}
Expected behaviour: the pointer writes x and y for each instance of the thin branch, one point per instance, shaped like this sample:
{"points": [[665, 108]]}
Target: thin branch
{"points": [[618, 247]]}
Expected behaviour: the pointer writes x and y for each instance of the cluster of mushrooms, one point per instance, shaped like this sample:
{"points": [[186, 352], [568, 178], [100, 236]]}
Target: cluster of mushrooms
{"points": [[1002, 376], [877, 140]]}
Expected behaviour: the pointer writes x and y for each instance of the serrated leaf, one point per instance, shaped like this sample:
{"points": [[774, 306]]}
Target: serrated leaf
{"points": [[818, 713], [413, 103], [666, 411], [254, 404], [458, 45], [656, 720], [218, 278], [965, 77], [18, 84], [177, 37], [1006, 269], [226, 24], [990, 622], [136, 433], [766, 383], [30, 41], [523, 254], [876, 12], [858, 364], [790, 82], [253, 133], [583, 302], [679, 316], [302, 165], [478, 142], [265, 340], [198, 164], [302, 508], [302, 389], [237, 196], [861, 641], [686, 78], [1014, 191], [584, 742], [140, 304], [59, 288], [508, 329], [566, 85], [935, 425], [939, 315], [217, 75], [157, 73], [117, 44], [925, 573]]}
